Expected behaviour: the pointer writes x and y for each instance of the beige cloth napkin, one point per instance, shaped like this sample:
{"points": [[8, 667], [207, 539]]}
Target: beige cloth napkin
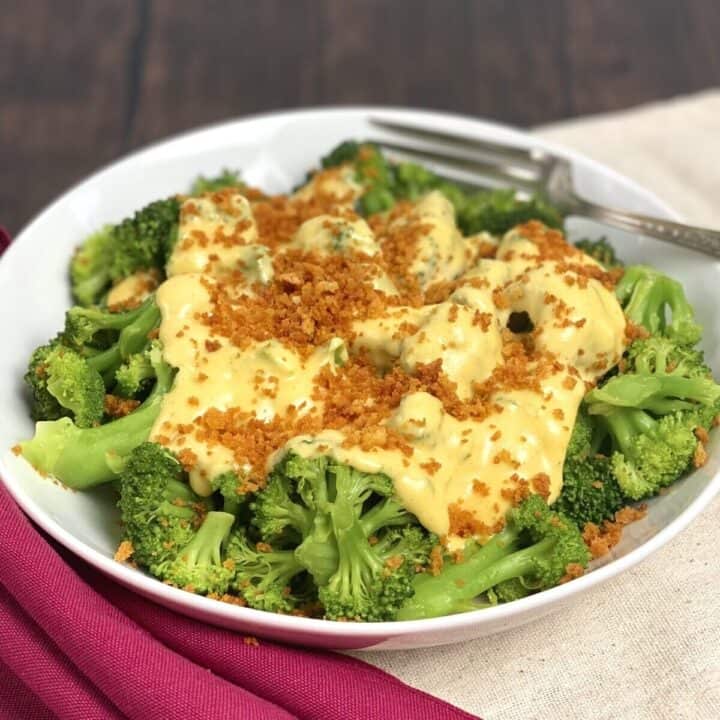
{"points": [[645, 645]]}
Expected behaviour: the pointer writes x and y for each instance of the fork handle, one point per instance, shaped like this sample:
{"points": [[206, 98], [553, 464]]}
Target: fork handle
{"points": [[695, 238]]}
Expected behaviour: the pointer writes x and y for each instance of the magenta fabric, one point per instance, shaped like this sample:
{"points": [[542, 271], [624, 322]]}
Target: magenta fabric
{"points": [[4, 239], [76, 646]]}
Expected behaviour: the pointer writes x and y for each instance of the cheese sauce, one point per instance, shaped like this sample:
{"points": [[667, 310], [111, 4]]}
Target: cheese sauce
{"points": [[462, 473]]}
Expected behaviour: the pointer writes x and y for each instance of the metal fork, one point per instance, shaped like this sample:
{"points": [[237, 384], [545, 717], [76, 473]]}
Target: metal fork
{"points": [[482, 164]]}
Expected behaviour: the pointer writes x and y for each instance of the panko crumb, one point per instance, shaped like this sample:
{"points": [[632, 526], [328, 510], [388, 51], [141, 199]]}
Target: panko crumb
{"points": [[600, 539], [124, 551]]}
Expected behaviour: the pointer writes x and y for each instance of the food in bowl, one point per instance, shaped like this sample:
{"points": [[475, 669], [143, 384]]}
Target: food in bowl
{"points": [[381, 397]]}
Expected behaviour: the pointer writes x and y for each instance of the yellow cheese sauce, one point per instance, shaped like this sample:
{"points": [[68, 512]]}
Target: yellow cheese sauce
{"points": [[462, 472], [132, 290], [213, 232], [212, 373]]}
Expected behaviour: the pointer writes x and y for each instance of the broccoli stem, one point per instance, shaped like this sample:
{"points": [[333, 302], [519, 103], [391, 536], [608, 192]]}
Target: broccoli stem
{"points": [[133, 338], [83, 458], [386, 513], [625, 425], [206, 546], [458, 584], [177, 490]]}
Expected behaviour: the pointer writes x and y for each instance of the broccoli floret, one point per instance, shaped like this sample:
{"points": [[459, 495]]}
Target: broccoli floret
{"points": [[495, 211], [62, 384], [159, 510], [84, 457], [647, 415], [227, 178], [83, 325], [171, 530], [647, 295], [43, 404], [141, 242], [275, 515], [498, 211], [538, 546], [124, 334], [89, 268], [200, 566], [230, 489], [661, 355], [145, 240], [357, 543], [600, 250], [265, 577], [134, 375], [372, 579], [649, 454], [76, 386], [345, 152], [590, 491], [659, 391]]}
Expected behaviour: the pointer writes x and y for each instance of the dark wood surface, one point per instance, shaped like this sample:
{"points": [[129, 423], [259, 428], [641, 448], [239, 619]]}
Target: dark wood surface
{"points": [[84, 81]]}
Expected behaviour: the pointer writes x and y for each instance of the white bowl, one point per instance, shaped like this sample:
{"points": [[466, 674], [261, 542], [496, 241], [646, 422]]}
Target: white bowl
{"points": [[275, 151]]}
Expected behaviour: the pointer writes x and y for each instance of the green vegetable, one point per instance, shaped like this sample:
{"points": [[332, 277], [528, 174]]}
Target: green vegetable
{"points": [[536, 548], [647, 296], [646, 416], [601, 250], [227, 178], [84, 457], [266, 578], [590, 491], [63, 384], [493, 211], [345, 530]]}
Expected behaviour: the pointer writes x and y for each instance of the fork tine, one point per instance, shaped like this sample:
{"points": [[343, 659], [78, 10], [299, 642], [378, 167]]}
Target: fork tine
{"points": [[501, 173], [533, 158]]}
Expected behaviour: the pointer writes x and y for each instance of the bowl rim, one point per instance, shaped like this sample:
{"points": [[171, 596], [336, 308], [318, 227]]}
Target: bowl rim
{"points": [[192, 604]]}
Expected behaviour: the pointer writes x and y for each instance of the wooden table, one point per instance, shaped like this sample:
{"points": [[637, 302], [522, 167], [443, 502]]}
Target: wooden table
{"points": [[84, 81]]}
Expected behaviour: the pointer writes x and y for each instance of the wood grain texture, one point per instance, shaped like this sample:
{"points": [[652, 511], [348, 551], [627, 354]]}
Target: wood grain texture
{"points": [[62, 97], [84, 81]]}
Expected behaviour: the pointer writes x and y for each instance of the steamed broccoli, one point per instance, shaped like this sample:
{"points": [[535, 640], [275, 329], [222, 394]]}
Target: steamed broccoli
{"points": [[140, 242], [600, 250], [63, 384], [647, 415], [89, 267], [265, 577], [134, 375], [227, 484], [108, 339], [538, 547], [84, 457], [358, 544], [227, 178], [200, 566], [655, 383], [172, 530], [657, 354], [647, 295], [650, 454], [159, 510], [385, 183], [60, 374], [590, 492], [145, 240]]}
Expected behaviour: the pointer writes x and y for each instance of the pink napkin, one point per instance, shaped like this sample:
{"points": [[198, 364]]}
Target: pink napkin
{"points": [[76, 646]]}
